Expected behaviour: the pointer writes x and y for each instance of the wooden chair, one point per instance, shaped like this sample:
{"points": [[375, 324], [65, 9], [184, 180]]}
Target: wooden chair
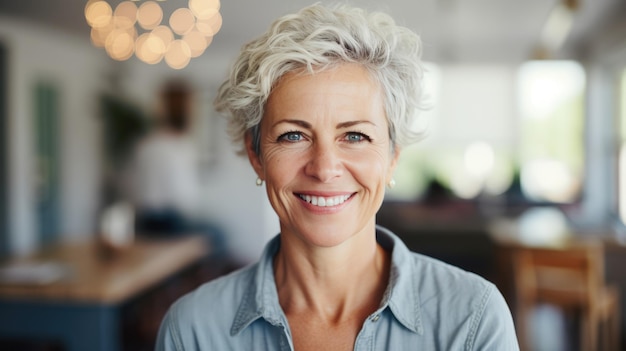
{"points": [[571, 278]]}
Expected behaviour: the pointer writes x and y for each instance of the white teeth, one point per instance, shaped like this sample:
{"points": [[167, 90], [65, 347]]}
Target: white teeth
{"points": [[325, 201]]}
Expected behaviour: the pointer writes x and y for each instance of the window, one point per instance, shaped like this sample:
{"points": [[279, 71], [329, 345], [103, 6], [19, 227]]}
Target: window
{"points": [[551, 102], [495, 128]]}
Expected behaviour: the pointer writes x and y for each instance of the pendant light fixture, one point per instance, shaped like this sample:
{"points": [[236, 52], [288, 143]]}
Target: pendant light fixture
{"points": [[151, 33]]}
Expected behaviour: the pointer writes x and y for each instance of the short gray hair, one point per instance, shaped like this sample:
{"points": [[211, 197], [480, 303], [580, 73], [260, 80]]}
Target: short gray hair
{"points": [[320, 37]]}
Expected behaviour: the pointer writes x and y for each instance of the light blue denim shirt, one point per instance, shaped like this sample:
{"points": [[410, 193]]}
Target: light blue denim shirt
{"points": [[428, 305]]}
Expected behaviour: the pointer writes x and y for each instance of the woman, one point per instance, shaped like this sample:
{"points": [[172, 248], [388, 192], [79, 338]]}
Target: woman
{"points": [[322, 104]]}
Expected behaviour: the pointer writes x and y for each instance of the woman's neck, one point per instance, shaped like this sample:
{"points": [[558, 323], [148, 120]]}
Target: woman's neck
{"points": [[334, 283]]}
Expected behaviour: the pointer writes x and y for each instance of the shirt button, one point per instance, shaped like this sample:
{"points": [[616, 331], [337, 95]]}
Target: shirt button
{"points": [[376, 318]]}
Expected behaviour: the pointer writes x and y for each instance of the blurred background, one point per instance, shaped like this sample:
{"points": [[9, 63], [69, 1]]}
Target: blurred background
{"points": [[105, 126]]}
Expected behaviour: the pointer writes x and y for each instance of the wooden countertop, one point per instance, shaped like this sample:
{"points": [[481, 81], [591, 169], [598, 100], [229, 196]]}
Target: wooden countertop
{"points": [[94, 277]]}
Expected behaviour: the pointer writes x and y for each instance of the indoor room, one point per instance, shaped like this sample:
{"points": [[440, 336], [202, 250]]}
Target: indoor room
{"points": [[519, 176]]}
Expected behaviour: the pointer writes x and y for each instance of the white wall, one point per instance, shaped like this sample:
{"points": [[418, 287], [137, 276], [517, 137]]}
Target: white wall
{"points": [[476, 103], [37, 54], [233, 201]]}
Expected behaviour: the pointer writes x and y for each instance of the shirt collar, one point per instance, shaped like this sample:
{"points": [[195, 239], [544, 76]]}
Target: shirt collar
{"points": [[261, 297], [402, 292]]}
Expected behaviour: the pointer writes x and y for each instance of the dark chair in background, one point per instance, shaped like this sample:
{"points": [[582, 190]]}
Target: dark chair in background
{"points": [[572, 279]]}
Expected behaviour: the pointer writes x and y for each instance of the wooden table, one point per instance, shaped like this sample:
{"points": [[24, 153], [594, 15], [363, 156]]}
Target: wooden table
{"points": [[81, 310]]}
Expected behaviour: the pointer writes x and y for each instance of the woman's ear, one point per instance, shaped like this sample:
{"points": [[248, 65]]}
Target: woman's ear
{"points": [[395, 155], [253, 157]]}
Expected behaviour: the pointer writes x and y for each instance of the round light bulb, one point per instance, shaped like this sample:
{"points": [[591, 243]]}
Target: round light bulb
{"points": [[196, 41], [149, 48], [165, 34], [98, 13], [204, 9], [210, 27], [182, 21], [149, 15], [178, 54], [99, 35], [120, 44], [125, 14]]}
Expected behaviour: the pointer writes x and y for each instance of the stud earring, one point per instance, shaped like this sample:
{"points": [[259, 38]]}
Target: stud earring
{"points": [[392, 183], [259, 181]]}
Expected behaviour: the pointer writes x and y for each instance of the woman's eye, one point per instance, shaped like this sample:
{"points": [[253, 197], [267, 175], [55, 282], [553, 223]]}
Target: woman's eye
{"points": [[355, 137], [290, 137]]}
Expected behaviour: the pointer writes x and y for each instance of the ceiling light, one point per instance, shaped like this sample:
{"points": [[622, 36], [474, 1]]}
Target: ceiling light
{"points": [[142, 29], [557, 28]]}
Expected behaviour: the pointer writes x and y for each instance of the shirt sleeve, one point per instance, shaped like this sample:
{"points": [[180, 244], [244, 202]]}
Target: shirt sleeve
{"points": [[493, 328]]}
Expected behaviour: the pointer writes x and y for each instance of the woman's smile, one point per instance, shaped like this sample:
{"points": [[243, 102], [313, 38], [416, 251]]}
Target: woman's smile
{"points": [[325, 204], [324, 201]]}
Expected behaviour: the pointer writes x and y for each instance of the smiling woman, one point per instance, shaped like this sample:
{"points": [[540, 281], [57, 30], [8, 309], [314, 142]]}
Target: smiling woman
{"points": [[321, 105], [337, 146]]}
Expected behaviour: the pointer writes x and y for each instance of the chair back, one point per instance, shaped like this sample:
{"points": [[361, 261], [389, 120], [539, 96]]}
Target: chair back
{"points": [[571, 276]]}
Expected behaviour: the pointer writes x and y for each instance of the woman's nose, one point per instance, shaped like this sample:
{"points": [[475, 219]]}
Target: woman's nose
{"points": [[324, 163]]}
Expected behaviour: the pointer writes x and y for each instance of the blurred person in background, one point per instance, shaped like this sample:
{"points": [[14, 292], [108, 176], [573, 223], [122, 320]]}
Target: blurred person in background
{"points": [[322, 104], [165, 172], [164, 183]]}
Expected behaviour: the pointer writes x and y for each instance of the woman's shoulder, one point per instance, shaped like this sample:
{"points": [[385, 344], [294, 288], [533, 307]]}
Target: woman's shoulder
{"points": [[424, 264], [466, 298], [441, 280], [218, 298], [219, 291], [431, 277], [204, 316]]}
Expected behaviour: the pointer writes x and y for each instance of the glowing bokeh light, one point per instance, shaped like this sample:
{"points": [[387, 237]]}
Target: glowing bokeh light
{"points": [[182, 21], [211, 26], [463, 186], [125, 15], [178, 54], [120, 44], [99, 34], [190, 31], [165, 34], [149, 48], [548, 180], [156, 45], [196, 41], [479, 159], [149, 15], [98, 13], [204, 9]]}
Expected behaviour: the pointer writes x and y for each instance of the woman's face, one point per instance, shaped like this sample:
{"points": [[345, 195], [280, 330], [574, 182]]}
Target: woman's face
{"points": [[325, 154]]}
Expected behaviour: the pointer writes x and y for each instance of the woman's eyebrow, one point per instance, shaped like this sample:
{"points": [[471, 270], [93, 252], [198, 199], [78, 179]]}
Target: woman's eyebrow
{"points": [[307, 125], [349, 124], [301, 123]]}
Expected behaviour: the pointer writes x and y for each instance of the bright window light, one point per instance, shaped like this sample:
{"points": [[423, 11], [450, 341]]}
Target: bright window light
{"points": [[551, 95]]}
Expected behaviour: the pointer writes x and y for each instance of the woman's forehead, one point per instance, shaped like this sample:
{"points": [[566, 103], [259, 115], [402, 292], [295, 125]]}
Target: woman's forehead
{"points": [[347, 89]]}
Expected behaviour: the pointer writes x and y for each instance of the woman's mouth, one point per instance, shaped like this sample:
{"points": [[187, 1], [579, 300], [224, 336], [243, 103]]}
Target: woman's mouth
{"points": [[325, 201]]}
